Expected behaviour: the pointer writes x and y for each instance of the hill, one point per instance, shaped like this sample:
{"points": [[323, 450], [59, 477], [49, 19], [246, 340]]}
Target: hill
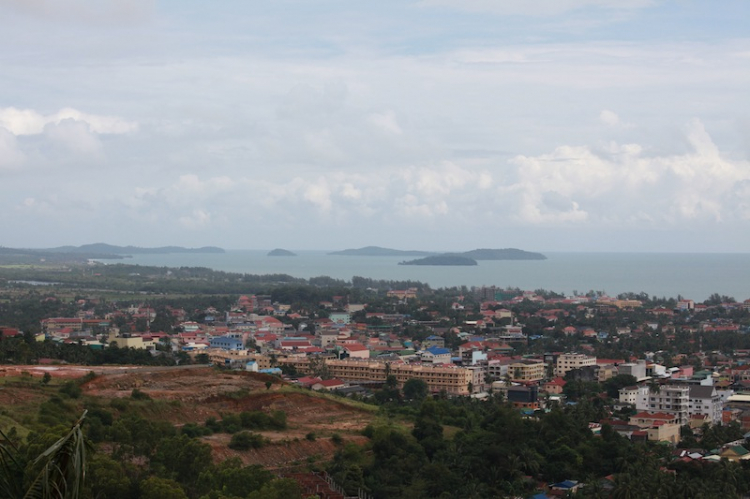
{"points": [[378, 251], [180, 396]]}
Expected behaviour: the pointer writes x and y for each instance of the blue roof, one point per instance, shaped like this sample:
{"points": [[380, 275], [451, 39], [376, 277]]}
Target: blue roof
{"points": [[566, 484], [438, 351], [434, 337]]}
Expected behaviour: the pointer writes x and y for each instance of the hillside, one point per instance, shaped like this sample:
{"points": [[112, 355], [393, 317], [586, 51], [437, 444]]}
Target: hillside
{"points": [[192, 395]]}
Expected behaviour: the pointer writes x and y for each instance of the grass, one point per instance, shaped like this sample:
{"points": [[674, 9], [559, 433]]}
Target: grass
{"points": [[6, 423], [327, 396]]}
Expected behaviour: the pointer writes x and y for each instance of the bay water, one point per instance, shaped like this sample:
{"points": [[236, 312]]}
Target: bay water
{"points": [[692, 275]]}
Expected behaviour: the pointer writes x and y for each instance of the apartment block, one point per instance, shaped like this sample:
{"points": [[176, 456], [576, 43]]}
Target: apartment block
{"points": [[569, 361]]}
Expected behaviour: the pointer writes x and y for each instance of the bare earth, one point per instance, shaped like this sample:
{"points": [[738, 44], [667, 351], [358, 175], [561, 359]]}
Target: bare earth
{"points": [[195, 393]]}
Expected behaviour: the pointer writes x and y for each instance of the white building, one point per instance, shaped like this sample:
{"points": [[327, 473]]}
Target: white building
{"points": [[569, 361]]}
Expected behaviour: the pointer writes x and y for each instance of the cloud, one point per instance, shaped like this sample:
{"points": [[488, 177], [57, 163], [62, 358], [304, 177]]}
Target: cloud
{"points": [[580, 183], [79, 11], [198, 219], [11, 156], [537, 7], [30, 122]]}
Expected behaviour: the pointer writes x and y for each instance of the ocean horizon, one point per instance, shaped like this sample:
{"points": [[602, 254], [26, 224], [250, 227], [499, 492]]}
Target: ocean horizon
{"points": [[691, 275]]}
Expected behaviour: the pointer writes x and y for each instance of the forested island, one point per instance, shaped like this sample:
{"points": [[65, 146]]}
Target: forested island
{"points": [[441, 260], [378, 251], [503, 254], [476, 254], [281, 252]]}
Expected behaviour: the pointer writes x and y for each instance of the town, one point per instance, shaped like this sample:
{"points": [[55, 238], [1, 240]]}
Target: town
{"points": [[660, 370]]}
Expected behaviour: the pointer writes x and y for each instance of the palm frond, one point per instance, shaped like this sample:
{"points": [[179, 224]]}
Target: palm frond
{"points": [[64, 471], [11, 471]]}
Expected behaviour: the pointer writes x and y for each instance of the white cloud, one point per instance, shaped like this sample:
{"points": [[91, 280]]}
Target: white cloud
{"points": [[536, 7], [319, 194], [99, 11], [11, 156], [30, 122], [386, 121], [198, 219]]}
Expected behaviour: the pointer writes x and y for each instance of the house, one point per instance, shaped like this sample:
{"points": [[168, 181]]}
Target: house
{"points": [[554, 386], [735, 453], [356, 350], [328, 385], [436, 355], [433, 341]]}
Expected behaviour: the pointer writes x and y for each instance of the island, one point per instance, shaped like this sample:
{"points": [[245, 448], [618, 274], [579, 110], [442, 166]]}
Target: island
{"points": [[442, 260], [378, 251], [281, 252], [503, 254]]}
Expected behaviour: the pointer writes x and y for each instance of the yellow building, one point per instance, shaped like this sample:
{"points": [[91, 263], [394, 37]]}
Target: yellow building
{"points": [[454, 380], [527, 370]]}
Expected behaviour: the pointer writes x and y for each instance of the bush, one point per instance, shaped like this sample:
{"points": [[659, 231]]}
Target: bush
{"points": [[369, 431], [136, 394], [258, 420], [193, 430], [71, 389], [245, 440], [336, 439], [310, 436]]}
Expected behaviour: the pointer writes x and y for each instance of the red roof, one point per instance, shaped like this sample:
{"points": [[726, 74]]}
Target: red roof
{"points": [[656, 415], [355, 347], [330, 382]]}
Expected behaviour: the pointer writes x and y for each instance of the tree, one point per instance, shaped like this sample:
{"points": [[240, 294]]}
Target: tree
{"points": [[416, 389], [161, 488]]}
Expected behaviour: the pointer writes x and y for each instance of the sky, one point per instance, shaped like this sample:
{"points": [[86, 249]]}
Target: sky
{"points": [[553, 125]]}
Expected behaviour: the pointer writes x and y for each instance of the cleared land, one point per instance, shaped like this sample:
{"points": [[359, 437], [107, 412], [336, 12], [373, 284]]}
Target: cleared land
{"points": [[192, 394]]}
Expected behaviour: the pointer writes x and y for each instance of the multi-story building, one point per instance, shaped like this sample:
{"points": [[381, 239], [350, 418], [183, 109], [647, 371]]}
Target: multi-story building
{"points": [[453, 379], [527, 370], [680, 400], [569, 361], [705, 400]]}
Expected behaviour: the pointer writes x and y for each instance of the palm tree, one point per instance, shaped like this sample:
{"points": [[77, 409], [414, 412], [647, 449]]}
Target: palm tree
{"points": [[61, 476]]}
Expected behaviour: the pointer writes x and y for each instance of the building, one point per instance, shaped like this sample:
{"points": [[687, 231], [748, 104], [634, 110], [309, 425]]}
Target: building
{"points": [[527, 370], [436, 355], [569, 361], [226, 343], [637, 370], [705, 401], [453, 379]]}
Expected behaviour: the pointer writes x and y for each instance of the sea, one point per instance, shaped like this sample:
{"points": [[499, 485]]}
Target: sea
{"points": [[693, 276]]}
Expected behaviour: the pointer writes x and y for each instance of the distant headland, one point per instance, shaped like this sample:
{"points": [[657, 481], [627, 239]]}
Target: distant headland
{"points": [[103, 248]]}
